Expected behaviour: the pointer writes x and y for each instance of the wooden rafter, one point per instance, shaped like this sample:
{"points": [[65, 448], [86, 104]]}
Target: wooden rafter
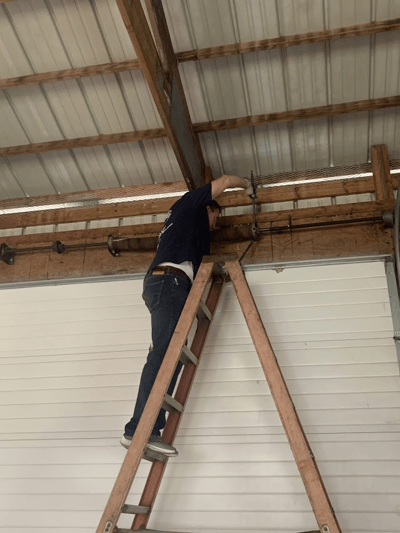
{"points": [[165, 87], [358, 30], [203, 127]]}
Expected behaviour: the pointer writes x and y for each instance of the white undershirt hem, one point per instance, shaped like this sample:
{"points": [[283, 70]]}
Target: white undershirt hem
{"points": [[186, 267]]}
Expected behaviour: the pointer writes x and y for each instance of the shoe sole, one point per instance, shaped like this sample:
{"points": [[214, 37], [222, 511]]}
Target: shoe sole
{"points": [[162, 451], [126, 443]]}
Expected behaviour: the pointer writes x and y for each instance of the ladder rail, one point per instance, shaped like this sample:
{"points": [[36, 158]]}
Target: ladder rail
{"points": [[130, 465], [304, 458], [155, 476]]}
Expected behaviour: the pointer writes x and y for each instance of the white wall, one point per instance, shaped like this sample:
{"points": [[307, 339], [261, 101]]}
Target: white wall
{"points": [[71, 358]]}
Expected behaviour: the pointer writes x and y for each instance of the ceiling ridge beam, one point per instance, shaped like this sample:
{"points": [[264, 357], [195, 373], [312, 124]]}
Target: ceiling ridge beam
{"points": [[204, 127], [357, 30]]}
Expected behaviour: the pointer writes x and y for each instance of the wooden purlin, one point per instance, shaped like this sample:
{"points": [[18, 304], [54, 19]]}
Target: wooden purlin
{"points": [[204, 127], [298, 442], [370, 28]]}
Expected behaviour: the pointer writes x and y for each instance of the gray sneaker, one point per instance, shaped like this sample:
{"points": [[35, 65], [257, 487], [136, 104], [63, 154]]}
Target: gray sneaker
{"points": [[126, 440], [158, 445], [155, 443]]}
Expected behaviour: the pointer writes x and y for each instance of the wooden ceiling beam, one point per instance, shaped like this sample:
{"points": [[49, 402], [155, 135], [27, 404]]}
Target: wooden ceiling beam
{"points": [[320, 213], [165, 86], [162, 205], [358, 30], [69, 74], [204, 127], [298, 114], [83, 142]]}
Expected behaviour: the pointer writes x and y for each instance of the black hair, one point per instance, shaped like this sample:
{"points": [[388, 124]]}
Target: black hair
{"points": [[214, 204]]}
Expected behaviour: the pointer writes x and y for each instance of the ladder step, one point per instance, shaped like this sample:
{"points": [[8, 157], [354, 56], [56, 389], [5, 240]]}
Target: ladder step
{"points": [[159, 531], [171, 405], [187, 356], [150, 455], [135, 509], [118, 530], [204, 312]]}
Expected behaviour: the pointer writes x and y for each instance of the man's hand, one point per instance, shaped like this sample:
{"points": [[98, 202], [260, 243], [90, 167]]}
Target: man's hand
{"points": [[249, 189], [229, 182]]}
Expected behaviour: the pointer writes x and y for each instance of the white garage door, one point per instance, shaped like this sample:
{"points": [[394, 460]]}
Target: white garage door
{"points": [[71, 357]]}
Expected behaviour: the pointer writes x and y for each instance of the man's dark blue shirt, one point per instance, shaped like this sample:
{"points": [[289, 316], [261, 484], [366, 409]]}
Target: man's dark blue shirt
{"points": [[186, 233]]}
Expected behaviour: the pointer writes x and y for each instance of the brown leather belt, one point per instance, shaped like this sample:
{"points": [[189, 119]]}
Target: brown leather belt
{"points": [[160, 270]]}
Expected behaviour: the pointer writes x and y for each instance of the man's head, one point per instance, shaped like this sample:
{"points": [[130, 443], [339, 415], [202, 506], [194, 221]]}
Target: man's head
{"points": [[213, 211]]}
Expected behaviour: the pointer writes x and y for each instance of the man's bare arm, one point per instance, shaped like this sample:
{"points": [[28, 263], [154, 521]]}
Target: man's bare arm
{"points": [[227, 182]]}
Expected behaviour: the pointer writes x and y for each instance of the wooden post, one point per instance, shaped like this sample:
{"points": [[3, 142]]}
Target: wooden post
{"points": [[381, 171], [298, 442]]}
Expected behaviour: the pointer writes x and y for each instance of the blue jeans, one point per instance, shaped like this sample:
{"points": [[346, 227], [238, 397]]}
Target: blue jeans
{"points": [[165, 297]]}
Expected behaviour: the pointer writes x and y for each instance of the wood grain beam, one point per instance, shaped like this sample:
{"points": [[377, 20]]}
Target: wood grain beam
{"points": [[162, 205], [358, 30], [323, 213], [165, 87], [381, 171], [83, 142], [355, 240], [204, 127], [69, 74], [298, 114]]}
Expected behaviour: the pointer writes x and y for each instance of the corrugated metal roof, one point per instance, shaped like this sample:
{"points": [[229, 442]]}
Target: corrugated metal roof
{"points": [[46, 35]]}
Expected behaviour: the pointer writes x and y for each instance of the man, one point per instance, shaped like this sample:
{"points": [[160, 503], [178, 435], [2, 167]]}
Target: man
{"points": [[183, 241]]}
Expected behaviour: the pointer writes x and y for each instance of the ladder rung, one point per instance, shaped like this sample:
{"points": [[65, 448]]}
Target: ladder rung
{"points": [[171, 405], [187, 356], [204, 312], [118, 530], [152, 456], [135, 509], [157, 531]]}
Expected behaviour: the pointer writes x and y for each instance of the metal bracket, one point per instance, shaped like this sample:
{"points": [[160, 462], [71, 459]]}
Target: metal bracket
{"points": [[110, 245], [7, 254], [58, 247], [254, 186], [388, 219]]}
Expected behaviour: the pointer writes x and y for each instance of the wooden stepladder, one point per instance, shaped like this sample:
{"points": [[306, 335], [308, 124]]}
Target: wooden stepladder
{"points": [[210, 269]]}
